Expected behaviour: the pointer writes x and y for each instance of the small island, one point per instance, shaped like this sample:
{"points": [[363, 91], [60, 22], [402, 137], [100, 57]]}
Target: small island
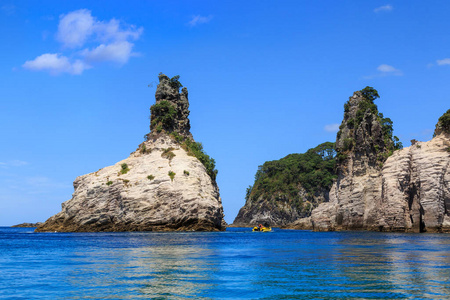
{"points": [[167, 184]]}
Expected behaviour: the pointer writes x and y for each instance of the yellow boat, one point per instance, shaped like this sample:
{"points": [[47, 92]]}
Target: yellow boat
{"points": [[262, 229]]}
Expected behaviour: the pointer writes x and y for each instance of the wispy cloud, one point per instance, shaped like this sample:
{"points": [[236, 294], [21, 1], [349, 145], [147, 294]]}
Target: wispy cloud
{"points": [[197, 20], [332, 127], [389, 70], [384, 8], [44, 182], [443, 62], [13, 163], [109, 41], [118, 52], [385, 70]]}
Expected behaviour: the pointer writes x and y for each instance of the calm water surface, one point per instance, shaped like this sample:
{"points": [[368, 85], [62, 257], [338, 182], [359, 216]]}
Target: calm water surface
{"points": [[236, 264]]}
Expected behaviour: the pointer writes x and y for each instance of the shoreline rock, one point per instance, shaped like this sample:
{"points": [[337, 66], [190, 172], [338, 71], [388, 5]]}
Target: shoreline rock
{"points": [[26, 225]]}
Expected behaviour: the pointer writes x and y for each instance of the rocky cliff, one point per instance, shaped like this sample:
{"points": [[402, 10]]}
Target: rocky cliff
{"points": [[379, 186], [168, 183], [288, 189]]}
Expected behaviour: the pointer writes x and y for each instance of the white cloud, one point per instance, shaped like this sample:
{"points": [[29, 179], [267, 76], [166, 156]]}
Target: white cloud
{"points": [[389, 69], [108, 41], [196, 20], [74, 28], [443, 62], [332, 127], [384, 8], [385, 70], [77, 27], [55, 64], [111, 31], [118, 52]]}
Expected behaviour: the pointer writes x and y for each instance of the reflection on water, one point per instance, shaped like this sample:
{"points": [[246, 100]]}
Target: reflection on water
{"points": [[236, 264]]}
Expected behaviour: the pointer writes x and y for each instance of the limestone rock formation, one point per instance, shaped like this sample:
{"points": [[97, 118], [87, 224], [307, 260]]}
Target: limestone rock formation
{"points": [[409, 191], [168, 183], [416, 188]]}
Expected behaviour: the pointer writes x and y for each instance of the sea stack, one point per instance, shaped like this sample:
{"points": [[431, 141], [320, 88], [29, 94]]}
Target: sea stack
{"points": [[380, 186], [167, 184]]}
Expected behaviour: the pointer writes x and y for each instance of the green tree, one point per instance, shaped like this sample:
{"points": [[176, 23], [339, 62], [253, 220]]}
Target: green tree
{"points": [[370, 93]]}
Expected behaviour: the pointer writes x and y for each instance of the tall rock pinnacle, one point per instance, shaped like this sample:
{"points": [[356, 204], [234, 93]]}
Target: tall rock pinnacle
{"points": [[171, 110], [365, 138]]}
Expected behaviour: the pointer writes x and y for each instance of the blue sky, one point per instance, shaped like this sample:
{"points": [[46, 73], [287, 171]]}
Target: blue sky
{"points": [[265, 79]]}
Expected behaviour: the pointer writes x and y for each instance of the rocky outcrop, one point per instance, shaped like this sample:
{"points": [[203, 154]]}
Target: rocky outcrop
{"points": [[409, 191], [300, 224], [163, 185], [278, 210], [288, 189], [171, 110], [27, 225], [362, 144], [416, 188]]}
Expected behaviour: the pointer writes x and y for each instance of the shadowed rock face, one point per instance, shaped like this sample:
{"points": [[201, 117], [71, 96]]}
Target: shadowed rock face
{"points": [[158, 187], [275, 211], [168, 93]]}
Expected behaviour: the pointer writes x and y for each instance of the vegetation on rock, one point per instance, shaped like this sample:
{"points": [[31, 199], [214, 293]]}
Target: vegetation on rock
{"points": [[171, 175], [314, 171], [196, 149], [124, 168], [444, 122], [164, 114], [365, 108], [167, 153], [165, 118]]}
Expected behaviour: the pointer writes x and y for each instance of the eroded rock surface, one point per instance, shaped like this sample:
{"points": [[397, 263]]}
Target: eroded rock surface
{"points": [[161, 186], [410, 191]]}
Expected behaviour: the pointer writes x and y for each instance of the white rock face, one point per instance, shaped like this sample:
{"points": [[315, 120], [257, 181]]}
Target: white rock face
{"points": [[161, 187], [416, 188], [107, 200], [410, 193]]}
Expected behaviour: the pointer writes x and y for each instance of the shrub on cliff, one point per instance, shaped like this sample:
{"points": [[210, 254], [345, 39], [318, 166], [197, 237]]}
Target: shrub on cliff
{"points": [[163, 116], [444, 122], [367, 106], [196, 149]]}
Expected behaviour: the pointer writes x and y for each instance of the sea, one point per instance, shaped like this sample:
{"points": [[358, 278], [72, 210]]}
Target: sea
{"points": [[235, 264]]}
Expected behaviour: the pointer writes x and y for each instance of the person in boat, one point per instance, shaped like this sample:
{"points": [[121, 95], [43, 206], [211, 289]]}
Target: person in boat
{"points": [[260, 227]]}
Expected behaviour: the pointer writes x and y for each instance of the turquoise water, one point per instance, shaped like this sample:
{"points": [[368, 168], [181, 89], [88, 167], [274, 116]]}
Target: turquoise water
{"points": [[236, 264]]}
